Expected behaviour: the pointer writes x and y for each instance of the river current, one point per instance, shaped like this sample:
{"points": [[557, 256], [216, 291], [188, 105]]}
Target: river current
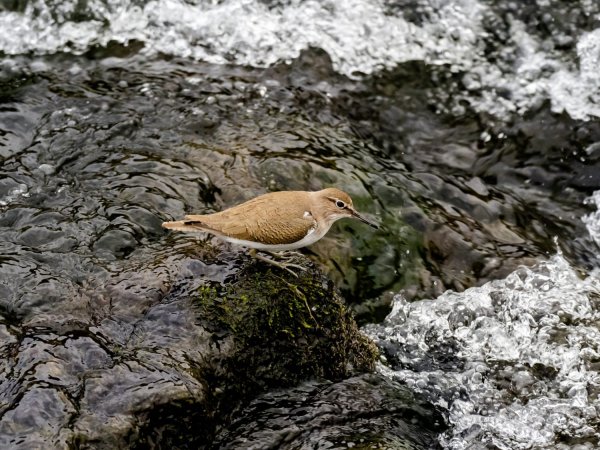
{"points": [[470, 128]]}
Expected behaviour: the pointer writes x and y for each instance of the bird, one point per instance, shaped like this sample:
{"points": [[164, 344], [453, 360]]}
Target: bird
{"points": [[276, 222]]}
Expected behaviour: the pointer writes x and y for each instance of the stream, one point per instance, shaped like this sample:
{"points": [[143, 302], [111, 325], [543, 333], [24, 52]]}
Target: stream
{"points": [[469, 129]]}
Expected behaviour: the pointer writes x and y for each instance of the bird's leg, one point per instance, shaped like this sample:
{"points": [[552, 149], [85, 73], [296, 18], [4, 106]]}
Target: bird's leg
{"points": [[286, 255], [300, 294], [283, 266]]}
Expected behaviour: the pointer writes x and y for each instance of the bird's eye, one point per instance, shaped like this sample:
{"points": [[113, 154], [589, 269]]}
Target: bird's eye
{"points": [[340, 204]]}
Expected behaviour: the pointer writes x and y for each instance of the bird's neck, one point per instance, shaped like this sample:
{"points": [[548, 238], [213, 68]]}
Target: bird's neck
{"points": [[323, 217]]}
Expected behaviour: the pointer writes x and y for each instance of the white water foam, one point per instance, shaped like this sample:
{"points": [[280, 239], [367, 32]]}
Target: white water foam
{"points": [[361, 37], [21, 190], [592, 220], [578, 92], [515, 363]]}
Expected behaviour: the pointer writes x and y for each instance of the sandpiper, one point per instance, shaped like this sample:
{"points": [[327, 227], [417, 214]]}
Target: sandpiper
{"points": [[274, 222]]}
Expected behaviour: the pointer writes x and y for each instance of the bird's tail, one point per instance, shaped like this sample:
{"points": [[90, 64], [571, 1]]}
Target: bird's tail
{"points": [[185, 225]]}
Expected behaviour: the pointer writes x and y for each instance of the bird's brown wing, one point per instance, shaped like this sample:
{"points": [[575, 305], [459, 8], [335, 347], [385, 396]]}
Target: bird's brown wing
{"points": [[259, 220]]}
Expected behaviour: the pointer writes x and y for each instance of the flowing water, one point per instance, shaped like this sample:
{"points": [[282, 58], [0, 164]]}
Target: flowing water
{"points": [[470, 128]]}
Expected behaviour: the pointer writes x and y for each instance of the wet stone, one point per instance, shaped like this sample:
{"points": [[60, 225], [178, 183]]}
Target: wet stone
{"points": [[40, 236], [37, 420], [7, 340], [164, 340], [117, 243], [343, 415], [131, 335]]}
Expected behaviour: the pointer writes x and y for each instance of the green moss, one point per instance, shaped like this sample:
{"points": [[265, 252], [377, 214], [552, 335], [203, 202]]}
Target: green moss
{"points": [[284, 329]]}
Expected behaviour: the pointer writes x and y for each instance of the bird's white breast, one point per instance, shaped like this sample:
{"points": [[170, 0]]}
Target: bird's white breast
{"points": [[313, 235]]}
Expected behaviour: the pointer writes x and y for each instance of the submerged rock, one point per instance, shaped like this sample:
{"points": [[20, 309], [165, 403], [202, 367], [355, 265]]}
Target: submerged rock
{"points": [[166, 354], [363, 412], [268, 330], [114, 334]]}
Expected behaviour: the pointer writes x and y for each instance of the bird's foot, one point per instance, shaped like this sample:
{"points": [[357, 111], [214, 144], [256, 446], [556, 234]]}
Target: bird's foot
{"points": [[281, 265], [285, 254]]}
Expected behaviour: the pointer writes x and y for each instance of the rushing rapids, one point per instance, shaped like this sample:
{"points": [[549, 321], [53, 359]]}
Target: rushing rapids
{"points": [[471, 128]]}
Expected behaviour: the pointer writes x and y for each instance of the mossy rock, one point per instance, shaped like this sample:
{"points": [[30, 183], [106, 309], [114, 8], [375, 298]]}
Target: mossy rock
{"points": [[282, 330]]}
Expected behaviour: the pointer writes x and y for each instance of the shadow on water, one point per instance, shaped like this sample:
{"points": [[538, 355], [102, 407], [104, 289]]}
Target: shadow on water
{"points": [[96, 153]]}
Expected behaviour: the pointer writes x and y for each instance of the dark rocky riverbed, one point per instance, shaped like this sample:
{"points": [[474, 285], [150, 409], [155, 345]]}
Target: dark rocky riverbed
{"points": [[116, 333]]}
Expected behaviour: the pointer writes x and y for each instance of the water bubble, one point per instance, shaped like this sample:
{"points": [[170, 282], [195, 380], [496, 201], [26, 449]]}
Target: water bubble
{"points": [[20, 190], [47, 169], [592, 220]]}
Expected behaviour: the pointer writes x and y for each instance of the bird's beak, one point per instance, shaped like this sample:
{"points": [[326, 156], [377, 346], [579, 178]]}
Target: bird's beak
{"points": [[363, 219]]}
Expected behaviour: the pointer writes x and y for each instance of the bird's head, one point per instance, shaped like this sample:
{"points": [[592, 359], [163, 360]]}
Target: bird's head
{"points": [[332, 204]]}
